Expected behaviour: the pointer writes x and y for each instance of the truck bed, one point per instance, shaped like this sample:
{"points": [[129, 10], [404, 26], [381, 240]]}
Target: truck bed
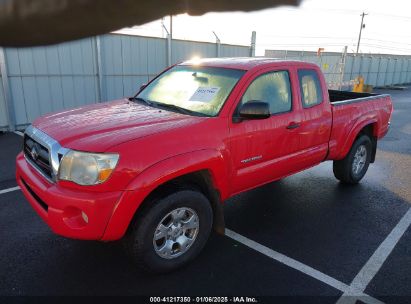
{"points": [[351, 112], [344, 97]]}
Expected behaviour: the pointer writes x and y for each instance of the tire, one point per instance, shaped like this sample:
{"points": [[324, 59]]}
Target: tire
{"points": [[168, 252], [345, 170]]}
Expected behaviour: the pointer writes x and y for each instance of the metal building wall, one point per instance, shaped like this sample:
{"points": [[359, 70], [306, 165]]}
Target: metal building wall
{"points": [[182, 50], [68, 75], [228, 50], [128, 62], [3, 111], [377, 70], [48, 79]]}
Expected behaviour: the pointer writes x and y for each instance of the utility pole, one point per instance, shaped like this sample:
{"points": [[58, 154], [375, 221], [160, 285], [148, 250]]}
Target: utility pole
{"points": [[362, 26]]}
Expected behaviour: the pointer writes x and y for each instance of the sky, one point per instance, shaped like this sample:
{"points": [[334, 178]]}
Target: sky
{"points": [[328, 24]]}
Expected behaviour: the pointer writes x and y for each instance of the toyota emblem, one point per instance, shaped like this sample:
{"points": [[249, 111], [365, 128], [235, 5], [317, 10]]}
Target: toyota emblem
{"points": [[34, 154]]}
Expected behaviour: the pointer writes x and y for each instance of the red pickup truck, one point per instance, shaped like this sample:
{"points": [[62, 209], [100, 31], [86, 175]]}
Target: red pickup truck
{"points": [[154, 169]]}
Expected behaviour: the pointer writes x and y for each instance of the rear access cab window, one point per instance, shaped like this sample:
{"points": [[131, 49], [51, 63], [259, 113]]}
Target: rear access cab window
{"points": [[310, 87]]}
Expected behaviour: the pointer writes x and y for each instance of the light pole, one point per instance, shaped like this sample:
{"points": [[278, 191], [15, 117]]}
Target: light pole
{"points": [[362, 26], [218, 44], [171, 26]]}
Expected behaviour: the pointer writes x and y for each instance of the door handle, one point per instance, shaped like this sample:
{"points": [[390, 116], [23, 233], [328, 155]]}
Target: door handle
{"points": [[293, 125]]}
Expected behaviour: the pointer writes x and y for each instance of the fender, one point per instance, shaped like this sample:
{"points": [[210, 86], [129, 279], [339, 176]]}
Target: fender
{"points": [[160, 173], [352, 135]]}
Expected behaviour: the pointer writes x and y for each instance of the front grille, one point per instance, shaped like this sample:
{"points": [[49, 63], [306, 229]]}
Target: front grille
{"points": [[38, 154]]}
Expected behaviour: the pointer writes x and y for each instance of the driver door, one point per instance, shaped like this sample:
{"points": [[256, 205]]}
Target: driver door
{"points": [[261, 149]]}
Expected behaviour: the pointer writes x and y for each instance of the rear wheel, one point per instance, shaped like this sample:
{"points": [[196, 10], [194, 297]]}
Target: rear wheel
{"points": [[353, 167], [170, 232]]}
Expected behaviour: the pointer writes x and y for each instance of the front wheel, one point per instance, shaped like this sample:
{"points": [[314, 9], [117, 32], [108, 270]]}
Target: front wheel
{"points": [[353, 167], [170, 231]]}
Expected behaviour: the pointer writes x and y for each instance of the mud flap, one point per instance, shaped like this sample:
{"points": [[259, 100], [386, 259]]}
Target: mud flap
{"points": [[374, 149], [219, 223]]}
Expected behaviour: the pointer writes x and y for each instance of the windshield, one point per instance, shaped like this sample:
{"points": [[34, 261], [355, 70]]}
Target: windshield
{"points": [[198, 89]]}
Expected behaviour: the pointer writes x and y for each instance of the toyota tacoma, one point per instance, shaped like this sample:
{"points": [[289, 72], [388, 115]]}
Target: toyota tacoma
{"points": [[155, 168]]}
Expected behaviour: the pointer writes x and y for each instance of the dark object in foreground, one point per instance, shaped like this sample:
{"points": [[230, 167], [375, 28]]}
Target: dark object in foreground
{"points": [[40, 22]]}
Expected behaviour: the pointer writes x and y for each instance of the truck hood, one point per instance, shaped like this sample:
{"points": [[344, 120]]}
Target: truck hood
{"points": [[98, 127]]}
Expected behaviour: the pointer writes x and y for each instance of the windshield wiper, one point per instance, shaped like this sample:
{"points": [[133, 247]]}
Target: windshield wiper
{"points": [[166, 106], [150, 103], [177, 108]]}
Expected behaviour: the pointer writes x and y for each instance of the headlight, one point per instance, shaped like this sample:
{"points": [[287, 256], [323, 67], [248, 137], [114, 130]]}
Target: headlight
{"points": [[87, 168]]}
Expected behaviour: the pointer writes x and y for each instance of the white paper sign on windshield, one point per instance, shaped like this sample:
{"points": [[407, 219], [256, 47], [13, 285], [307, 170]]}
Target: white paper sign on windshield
{"points": [[204, 94]]}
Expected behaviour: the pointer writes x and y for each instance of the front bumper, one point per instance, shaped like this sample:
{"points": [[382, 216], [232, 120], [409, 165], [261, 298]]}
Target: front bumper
{"points": [[70, 213]]}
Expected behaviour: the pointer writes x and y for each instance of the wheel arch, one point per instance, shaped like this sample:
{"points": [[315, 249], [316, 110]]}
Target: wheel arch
{"points": [[203, 170], [369, 128], [371, 131], [202, 181]]}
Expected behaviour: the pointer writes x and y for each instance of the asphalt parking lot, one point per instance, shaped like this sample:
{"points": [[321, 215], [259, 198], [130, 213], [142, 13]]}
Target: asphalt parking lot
{"points": [[305, 236]]}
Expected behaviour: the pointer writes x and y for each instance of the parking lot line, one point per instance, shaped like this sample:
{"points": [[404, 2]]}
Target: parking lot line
{"points": [[9, 190], [373, 265], [290, 262], [19, 133]]}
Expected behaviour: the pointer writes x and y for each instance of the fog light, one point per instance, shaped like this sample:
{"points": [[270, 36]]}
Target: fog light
{"points": [[84, 216]]}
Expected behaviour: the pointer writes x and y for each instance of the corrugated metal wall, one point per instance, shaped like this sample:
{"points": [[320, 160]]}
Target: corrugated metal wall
{"points": [[51, 79], [48, 79], [3, 111], [186, 49], [128, 62], [377, 70]]}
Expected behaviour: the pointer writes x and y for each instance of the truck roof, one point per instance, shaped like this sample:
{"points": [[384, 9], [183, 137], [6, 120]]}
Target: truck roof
{"points": [[243, 63]]}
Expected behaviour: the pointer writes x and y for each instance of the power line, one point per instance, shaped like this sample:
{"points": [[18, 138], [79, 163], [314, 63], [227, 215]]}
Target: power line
{"points": [[387, 41], [393, 16], [330, 45], [307, 37], [346, 39], [387, 47], [390, 34], [347, 11]]}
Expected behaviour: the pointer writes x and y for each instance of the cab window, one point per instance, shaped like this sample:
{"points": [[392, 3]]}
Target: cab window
{"points": [[310, 86], [273, 88]]}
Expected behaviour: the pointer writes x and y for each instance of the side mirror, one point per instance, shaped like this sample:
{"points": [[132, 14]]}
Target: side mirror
{"points": [[255, 109]]}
